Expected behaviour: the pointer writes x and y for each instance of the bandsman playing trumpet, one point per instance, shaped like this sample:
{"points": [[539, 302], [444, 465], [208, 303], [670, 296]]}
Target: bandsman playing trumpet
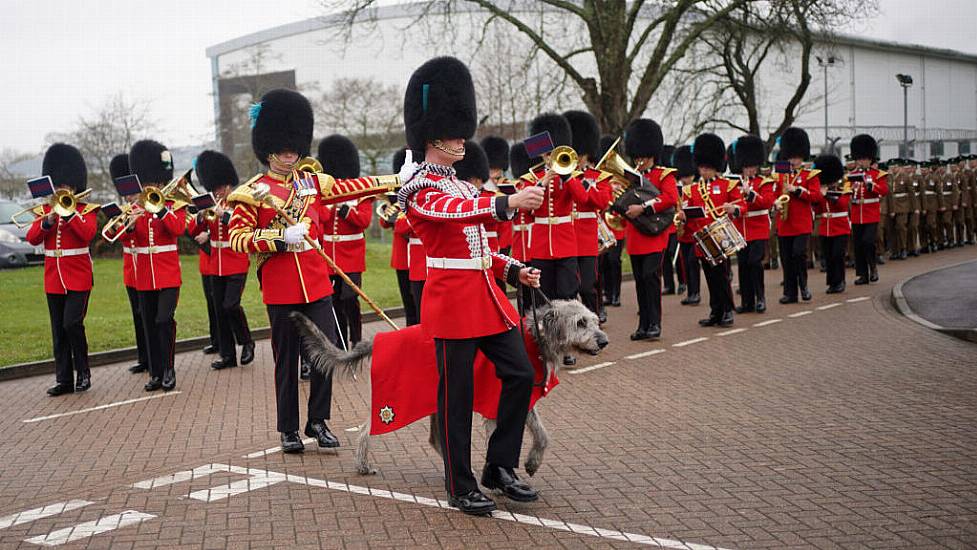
{"points": [[66, 228], [391, 217]]}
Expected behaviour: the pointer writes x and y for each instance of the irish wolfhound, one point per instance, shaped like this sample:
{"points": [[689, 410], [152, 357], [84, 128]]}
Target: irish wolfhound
{"points": [[564, 327]]}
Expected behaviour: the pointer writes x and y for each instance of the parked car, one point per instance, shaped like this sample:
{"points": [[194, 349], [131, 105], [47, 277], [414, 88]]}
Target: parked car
{"points": [[15, 251]]}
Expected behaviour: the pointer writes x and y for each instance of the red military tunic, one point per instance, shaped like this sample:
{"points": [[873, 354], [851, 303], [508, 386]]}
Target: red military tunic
{"points": [[522, 224], [461, 299], [754, 220], [685, 236], [865, 204], [194, 228], [67, 262], [491, 227], [598, 195], [834, 216], [224, 260], [636, 242], [552, 235], [343, 237], [156, 249], [711, 196], [398, 246], [129, 265], [800, 216]]}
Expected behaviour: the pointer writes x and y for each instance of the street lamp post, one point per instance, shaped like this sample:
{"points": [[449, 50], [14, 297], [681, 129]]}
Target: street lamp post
{"points": [[824, 63], [906, 81]]}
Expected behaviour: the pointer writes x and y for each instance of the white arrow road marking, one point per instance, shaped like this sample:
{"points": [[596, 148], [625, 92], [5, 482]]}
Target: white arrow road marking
{"points": [[35, 514], [90, 528]]}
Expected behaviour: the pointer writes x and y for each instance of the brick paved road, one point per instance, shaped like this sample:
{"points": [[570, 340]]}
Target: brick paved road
{"points": [[863, 435]]}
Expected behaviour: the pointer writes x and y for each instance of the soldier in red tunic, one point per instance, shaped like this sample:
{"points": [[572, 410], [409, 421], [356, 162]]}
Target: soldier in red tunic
{"points": [[398, 250], [447, 214], [794, 231], [522, 224], [835, 226], [865, 206], [643, 142], [754, 224], [685, 173], [228, 268], [343, 235], [609, 262], [67, 268], [497, 152]]}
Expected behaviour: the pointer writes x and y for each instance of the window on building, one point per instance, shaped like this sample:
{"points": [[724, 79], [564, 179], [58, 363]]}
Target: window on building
{"points": [[906, 151], [936, 148], [963, 148]]}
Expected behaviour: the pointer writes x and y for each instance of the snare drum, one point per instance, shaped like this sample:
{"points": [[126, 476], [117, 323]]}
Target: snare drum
{"points": [[719, 240]]}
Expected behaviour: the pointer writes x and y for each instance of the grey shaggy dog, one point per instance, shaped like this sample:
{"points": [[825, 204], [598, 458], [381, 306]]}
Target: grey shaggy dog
{"points": [[564, 327]]}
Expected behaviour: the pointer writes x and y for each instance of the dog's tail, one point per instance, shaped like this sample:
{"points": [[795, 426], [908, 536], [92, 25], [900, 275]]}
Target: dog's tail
{"points": [[324, 356]]}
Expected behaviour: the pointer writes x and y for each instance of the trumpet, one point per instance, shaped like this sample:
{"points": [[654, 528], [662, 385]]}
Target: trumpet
{"points": [[120, 223], [63, 203], [388, 211], [562, 160]]}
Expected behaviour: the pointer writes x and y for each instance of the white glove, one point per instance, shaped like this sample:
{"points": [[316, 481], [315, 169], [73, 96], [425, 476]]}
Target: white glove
{"points": [[201, 238], [409, 168], [294, 234]]}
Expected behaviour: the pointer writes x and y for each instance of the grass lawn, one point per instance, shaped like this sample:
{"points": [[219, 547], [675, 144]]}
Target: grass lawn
{"points": [[26, 331]]}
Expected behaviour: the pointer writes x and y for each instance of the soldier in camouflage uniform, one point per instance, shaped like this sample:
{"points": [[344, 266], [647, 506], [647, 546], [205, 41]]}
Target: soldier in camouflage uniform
{"points": [[971, 173], [963, 200], [930, 191], [901, 204], [951, 196]]}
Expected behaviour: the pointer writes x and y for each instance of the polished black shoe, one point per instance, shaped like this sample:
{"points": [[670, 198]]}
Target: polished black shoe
{"points": [[169, 380], [602, 317], [153, 384], [321, 433], [640, 335], [691, 300], [668, 291], [761, 305], [879, 260], [861, 280], [292, 443], [806, 294], [726, 320], [775, 264], [504, 480], [224, 363], [835, 289], [788, 299], [655, 332], [247, 353], [83, 383], [681, 289], [60, 389], [903, 255], [305, 371], [473, 503], [873, 275], [914, 253], [709, 321], [210, 349], [569, 360], [137, 368], [745, 309]]}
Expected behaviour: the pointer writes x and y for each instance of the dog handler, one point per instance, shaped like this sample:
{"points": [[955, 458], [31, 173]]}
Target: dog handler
{"points": [[447, 214]]}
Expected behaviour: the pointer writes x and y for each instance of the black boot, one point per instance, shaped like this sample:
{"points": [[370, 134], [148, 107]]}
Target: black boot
{"points": [[305, 371], [788, 299], [292, 443], [710, 321], [761, 305], [691, 300], [320, 431], [504, 480], [879, 260], [640, 334], [169, 380], [681, 289], [745, 309], [247, 353], [84, 382], [873, 274], [473, 503], [153, 384], [726, 320], [805, 294], [137, 368], [861, 280], [224, 363], [60, 389], [569, 360], [210, 349]]}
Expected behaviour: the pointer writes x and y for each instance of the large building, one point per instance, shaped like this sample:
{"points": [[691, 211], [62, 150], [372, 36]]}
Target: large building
{"points": [[863, 93]]}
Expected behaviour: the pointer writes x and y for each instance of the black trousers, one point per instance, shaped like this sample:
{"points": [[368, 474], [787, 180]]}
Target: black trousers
{"points": [[157, 308], [587, 267], [720, 291], [692, 267], [416, 292], [347, 305], [793, 258], [863, 241], [669, 273], [558, 278], [610, 271], [67, 312], [232, 323], [455, 396], [648, 287], [406, 298], [212, 328], [142, 348], [285, 347], [749, 263], [833, 251]]}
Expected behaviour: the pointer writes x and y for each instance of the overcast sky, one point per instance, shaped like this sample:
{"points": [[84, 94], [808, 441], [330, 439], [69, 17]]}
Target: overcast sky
{"points": [[62, 58]]}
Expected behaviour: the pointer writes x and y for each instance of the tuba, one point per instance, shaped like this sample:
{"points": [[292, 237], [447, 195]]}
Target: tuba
{"points": [[63, 203]]}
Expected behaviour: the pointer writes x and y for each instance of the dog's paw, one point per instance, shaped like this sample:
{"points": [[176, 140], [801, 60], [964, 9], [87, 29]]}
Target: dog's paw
{"points": [[367, 471], [532, 465]]}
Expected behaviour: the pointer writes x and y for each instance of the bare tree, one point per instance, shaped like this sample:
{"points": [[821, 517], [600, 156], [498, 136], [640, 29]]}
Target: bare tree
{"points": [[12, 184], [632, 45]]}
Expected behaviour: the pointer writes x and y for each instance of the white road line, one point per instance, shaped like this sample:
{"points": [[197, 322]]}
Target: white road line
{"points": [[90, 528], [859, 299], [590, 368], [259, 480], [274, 450], [35, 514], [828, 306], [765, 323], [645, 354], [352, 429], [100, 407], [690, 342], [179, 477], [800, 314], [731, 332]]}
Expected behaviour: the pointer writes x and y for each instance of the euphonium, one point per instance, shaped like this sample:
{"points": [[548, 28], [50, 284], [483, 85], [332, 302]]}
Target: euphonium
{"points": [[63, 202], [621, 172], [613, 220]]}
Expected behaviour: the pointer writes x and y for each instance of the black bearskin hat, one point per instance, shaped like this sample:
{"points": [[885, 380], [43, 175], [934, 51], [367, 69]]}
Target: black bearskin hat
{"points": [[556, 125], [585, 133], [497, 151], [66, 167], [682, 161], [519, 159], [864, 146], [281, 121], [666, 160], [474, 165], [151, 161], [215, 170], [606, 141], [794, 143], [830, 167], [119, 166], [643, 139], [398, 160], [731, 160], [339, 157], [750, 151], [709, 150], [439, 103]]}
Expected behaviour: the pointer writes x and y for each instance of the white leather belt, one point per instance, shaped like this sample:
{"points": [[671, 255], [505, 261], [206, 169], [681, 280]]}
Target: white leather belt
{"points": [[492, 234], [586, 215], [554, 220], [755, 213], [948, 192], [413, 241], [835, 215], [484, 262], [343, 238], [128, 250], [899, 195], [156, 249], [302, 246], [930, 192], [523, 227], [865, 201], [220, 244], [62, 252]]}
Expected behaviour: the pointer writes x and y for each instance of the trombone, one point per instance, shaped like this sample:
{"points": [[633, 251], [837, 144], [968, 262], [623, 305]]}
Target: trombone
{"points": [[121, 222], [63, 202], [153, 199]]}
